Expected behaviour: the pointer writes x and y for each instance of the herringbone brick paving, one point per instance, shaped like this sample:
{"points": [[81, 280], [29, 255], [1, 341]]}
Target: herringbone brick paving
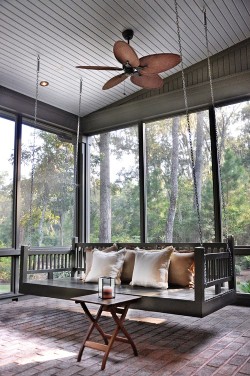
{"points": [[42, 336]]}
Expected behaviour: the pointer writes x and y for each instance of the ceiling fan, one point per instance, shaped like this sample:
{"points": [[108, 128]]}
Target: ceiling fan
{"points": [[143, 72]]}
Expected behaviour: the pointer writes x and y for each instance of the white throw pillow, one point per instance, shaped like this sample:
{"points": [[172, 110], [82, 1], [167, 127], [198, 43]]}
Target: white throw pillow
{"points": [[106, 265], [151, 268], [89, 255]]}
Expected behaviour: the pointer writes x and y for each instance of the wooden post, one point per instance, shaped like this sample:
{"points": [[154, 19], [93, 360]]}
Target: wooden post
{"points": [[15, 274], [23, 263], [75, 263], [232, 283], [199, 277]]}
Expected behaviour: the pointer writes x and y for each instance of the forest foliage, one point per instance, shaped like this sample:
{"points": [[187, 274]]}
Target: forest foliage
{"points": [[114, 182], [167, 191]]}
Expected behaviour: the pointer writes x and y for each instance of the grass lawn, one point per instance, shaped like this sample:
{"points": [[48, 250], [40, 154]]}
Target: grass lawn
{"points": [[4, 288]]}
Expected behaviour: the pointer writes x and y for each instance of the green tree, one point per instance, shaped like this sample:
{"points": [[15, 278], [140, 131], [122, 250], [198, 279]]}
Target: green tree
{"points": [[115, 190], [52, 201], [5, 211], [235, 120]]}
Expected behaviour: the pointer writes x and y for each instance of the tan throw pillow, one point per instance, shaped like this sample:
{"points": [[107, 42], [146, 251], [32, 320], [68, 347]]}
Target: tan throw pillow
{"points": [[106, 265], [181, 269], [89, 256], [151, 268], [128, 266]]}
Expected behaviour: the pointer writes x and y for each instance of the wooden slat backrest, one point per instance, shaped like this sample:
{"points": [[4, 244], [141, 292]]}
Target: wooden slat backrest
{"points": [[46, 260]]}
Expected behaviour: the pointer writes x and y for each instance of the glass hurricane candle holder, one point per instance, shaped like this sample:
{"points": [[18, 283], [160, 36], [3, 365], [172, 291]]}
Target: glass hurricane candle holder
{"points": [[106, 288]]}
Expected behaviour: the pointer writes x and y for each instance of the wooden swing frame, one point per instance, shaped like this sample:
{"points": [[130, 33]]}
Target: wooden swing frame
{"points": [[214, 268]]}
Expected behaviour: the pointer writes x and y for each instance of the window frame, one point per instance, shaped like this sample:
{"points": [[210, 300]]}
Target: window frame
{"points": [[14, 250]]}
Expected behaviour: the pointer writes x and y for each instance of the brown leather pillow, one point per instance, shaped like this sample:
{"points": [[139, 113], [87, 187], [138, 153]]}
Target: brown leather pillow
{"points": [[181, 269]]}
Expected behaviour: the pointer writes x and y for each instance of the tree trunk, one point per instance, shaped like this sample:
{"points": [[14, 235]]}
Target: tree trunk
{"points": [[61, 216], [44, 208], [173, 180], [199, 155], [105, 196]]}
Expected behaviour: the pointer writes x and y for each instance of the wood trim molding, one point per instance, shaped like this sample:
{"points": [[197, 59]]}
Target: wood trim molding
{"points": [[17, 103], [232, 87]]}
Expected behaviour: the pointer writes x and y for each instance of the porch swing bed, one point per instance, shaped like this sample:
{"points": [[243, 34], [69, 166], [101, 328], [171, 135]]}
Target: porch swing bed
{"points": [[214, 282]]}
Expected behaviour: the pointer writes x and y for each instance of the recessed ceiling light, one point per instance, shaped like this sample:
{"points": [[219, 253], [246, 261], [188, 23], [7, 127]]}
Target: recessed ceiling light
{"points": [[44, 83]]}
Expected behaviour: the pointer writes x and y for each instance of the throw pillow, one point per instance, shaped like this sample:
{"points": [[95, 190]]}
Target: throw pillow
{"points": [[128, 266], [181, 269], [106, 265], [129, 262], [151, 268], [89, 256]]}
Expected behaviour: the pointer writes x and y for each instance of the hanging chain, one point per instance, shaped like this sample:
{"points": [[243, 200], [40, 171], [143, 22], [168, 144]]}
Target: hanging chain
{"points": [[208, 59], [216, 137], [188, 123], [33, 152], [76, 157]]}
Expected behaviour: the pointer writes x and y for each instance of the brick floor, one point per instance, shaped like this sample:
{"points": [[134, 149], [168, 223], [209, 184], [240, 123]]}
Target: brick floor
{"points": [[42, 336]]}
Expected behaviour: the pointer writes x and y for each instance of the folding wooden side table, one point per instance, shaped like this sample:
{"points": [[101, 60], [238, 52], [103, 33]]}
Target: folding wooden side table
{"points": [[119, 305]]}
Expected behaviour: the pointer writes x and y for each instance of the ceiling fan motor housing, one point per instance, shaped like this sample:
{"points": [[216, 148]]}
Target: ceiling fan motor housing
{"points": [[128, 69], [128, 34]]}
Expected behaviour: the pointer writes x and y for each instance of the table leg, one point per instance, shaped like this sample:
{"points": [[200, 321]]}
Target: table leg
{"points": [[95, 320], [93, 325], [114, 336], [119, 323]]}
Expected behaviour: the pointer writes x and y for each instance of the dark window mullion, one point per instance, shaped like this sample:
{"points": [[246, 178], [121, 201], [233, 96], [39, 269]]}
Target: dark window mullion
{"points": [[16, 182], [86, 213], [215, 176], [81, 219], [142, 182]]}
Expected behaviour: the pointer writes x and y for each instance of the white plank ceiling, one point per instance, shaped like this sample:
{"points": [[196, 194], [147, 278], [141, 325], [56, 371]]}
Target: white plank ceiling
{"points": [[66, 33]]}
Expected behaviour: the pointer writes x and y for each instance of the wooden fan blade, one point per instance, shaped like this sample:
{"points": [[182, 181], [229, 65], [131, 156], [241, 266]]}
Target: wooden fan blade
{"points": [[152, 81], [125, 53], [94, 67], [114, 81], [158, 63]]}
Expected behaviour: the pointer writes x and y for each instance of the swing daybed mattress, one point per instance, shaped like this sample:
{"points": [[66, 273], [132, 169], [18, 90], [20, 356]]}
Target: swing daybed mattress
{"points": [[174, 300]]}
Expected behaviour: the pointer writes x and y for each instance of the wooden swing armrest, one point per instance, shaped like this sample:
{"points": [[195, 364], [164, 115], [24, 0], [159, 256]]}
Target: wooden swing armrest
{"points": [[44, 260]]}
